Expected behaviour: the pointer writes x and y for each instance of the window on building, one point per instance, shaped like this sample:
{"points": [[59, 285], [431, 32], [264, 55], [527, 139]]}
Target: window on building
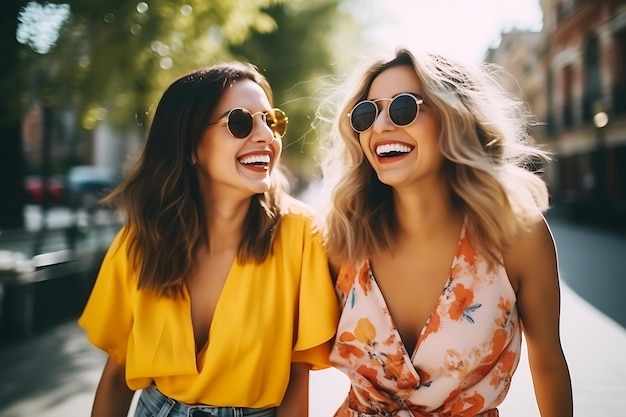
{"points": [[593, 85], [619, 73], [568, 79]]}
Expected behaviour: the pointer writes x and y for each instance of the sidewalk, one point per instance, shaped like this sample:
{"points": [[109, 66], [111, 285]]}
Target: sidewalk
{"points": [[46, 273], [56, 374]]}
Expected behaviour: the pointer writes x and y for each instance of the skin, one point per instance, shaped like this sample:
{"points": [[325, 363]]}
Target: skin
{"points": [[429, 227], [227, 184]]}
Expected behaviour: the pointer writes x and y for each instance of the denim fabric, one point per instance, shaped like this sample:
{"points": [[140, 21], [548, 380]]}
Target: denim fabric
{"points": [[152, 403]]}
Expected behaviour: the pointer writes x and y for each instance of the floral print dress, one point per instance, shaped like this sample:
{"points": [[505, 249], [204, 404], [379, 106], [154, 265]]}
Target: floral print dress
{"points": [[465, 354]]}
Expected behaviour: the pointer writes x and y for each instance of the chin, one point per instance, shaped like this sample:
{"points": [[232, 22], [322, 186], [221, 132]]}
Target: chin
{"points": [[391, 180], [260, 188]]}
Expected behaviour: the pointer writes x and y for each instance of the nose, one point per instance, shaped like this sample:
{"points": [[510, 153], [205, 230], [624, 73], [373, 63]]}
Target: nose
{"points": [[383, 123], [261, 132]]}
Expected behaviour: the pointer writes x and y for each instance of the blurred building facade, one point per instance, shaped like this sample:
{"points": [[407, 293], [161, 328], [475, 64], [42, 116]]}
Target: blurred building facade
{"points": [[573, 76]]}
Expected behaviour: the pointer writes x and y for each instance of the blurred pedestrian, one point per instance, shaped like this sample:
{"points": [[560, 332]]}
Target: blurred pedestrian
{"points": [[438, 241], [215, 297]]}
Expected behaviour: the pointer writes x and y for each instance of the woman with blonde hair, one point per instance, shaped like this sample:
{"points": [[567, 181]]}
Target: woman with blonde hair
{"points": [[441, 253]]}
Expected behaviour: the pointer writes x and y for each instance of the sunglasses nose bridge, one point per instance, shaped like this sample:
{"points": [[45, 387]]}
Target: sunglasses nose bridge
{"points": [[265, 134], [383, 121]]}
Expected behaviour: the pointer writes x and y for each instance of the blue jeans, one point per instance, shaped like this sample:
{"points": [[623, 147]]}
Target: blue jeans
{"points": [[152, 403]]}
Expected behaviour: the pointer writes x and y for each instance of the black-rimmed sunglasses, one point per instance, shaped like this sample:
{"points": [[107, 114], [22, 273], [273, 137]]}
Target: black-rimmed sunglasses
{"points": [[402, 111], [239, 122]]}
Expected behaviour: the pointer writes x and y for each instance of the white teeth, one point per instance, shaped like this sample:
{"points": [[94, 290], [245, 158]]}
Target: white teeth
{"points": [[255, 159], [392, 147]]}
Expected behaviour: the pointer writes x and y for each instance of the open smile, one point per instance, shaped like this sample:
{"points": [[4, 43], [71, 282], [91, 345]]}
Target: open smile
{"points": [[392, 149], [256, 161]]}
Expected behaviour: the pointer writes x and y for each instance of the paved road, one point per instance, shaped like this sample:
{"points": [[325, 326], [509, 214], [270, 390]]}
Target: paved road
{"points": [[593, 263], [55, 373]]}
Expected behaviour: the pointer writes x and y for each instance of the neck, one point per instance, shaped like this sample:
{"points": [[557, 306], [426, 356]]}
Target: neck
{"points": [[224, 222], [425, 215]]}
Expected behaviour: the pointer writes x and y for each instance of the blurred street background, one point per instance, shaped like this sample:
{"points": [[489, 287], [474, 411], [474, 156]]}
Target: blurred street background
{"points": [[78, 84]]}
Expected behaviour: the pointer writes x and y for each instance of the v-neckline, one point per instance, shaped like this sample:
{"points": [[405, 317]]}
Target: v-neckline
{"points": [[216, 312], [427, 323]]}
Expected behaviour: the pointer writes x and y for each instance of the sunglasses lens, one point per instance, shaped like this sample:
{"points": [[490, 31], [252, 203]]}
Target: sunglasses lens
{"points": [[403, 110], [240, 123], [363, 116], [277, 121]]}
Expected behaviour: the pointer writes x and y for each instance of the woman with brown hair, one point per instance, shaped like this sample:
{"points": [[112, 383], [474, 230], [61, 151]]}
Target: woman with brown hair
{"points": [[215, 298]]}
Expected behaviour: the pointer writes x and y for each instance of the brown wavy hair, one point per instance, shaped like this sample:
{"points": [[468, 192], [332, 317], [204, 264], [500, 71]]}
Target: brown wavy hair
{"points": [[485, 139], [160, 198]]}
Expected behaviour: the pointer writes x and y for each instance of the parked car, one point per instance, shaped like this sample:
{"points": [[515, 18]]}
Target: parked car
{"points": [[33, 185], [87, 184]]}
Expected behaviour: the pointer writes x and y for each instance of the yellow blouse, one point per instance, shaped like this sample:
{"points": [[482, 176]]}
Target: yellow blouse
{"points": [[267, 316]]}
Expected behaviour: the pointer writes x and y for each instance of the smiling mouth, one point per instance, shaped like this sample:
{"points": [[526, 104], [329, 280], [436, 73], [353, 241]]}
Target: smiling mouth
{"points": [[392, 149], [255, 160]]}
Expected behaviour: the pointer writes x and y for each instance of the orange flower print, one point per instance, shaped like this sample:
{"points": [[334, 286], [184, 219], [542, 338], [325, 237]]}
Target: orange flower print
{"points": [[345, 278], [424, 376], [498, 342], [454, 361], [467, 251], [396, 369], [468, 375], [432, 325], [368, 373], [365, 332], [462, 306], [364, 278], [505, 307], [500, 379], [346, 337], [345, 349], [508, 360], [468, 406]]}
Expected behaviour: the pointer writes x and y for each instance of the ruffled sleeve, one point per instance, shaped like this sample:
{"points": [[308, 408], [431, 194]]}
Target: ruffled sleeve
{"points": [[317, 309], [107, 317]]}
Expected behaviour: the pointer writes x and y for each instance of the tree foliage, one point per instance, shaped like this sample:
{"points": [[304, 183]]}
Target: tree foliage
{"points": [[11, 160], [119, 55], [296, 58], [113, 59]]}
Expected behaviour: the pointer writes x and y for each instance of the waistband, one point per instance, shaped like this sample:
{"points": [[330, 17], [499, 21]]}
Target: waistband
{"points": [[164, 406]]}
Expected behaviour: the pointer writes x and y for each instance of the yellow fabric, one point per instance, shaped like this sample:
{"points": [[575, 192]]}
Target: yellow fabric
{"points": [[267, 316]]}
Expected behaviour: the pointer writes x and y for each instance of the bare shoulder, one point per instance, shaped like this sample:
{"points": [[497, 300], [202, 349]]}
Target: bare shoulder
{"points": [[533, 254]]}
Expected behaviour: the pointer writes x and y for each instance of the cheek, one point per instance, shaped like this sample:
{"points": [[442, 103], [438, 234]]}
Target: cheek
{"points": [[364, 143], [370, 156], [277, 147]]}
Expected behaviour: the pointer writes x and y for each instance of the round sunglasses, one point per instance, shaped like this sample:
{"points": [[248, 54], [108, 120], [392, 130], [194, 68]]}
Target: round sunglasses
{"points": [[239, 122], [402, 111]]}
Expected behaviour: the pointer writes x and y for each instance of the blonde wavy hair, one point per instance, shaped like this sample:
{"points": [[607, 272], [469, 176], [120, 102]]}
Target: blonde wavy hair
{"points": [[491, 160]]}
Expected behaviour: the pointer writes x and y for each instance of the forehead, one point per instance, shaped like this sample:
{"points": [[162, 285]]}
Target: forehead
{"points": [[393, 81], [244, 93]]}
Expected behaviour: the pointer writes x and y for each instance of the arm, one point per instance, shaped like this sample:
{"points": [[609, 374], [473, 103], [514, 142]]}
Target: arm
{"points": [[533, 267], [296, 400], [113, 396]]}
